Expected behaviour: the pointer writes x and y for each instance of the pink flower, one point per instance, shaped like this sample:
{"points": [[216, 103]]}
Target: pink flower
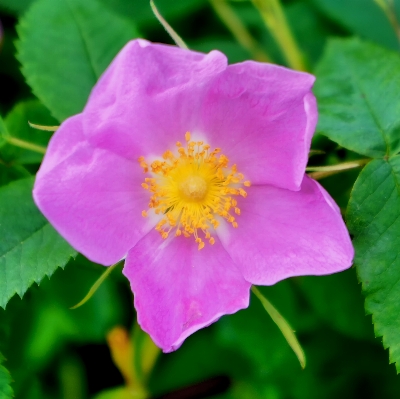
{"points": [[230, 204]]}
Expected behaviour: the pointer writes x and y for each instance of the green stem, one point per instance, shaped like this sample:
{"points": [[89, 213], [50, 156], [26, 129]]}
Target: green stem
{"points": [[239, 30], [272, 13], [283, 325], [43, 127], [26, 145], [96, 286], [324, 171], [174, 36]]}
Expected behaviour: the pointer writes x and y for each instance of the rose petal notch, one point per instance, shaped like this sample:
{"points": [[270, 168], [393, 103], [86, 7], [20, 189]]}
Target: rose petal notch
{"points": [[193, 171]]}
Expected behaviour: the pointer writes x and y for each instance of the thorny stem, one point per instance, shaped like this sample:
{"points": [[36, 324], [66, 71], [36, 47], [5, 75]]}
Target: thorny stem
{"points": [[239, 30], [272, 13]]}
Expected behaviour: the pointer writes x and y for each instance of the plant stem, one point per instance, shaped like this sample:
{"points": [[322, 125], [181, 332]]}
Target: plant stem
{"points": [[96, 285], [239, 30], [174, 36], [283, 325], [324, 171], [272, 13], [43, 127], [26, 145]]}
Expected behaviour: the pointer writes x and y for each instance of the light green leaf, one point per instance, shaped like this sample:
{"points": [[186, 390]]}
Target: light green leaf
{"points": [[374, 219], [64, 47], [6, 391], [357, 89], [30, 248]]}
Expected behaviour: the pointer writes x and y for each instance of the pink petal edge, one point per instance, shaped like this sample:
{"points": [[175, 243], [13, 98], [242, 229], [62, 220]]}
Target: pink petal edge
{"points": [[91, 196], [285, 233], [179, 289]]}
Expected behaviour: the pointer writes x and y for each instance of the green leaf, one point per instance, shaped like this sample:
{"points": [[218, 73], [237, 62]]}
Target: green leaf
{"points": [[64, 47], [18, 127], [374, 219], [6, 391], [357, 90], [362, 17], [30, 248]]}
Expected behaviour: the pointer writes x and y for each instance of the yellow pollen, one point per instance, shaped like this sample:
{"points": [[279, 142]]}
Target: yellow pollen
{"points": [[192, 188]]}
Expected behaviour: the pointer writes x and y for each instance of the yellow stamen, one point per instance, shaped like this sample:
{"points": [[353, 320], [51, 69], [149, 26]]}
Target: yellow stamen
{"points": [[191, 188]]}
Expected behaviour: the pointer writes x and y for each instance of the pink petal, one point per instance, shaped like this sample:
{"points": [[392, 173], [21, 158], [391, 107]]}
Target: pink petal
{"points": [[286, 233], [179, 289], [263, 117], [149, 97], [91, 196]]}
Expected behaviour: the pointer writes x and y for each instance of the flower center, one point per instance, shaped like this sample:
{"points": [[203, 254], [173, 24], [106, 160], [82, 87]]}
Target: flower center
{"points": [[193, 190]]}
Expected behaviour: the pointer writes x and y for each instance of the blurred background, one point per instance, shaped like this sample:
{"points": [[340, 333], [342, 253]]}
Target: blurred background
{"points": [[54, 352]]}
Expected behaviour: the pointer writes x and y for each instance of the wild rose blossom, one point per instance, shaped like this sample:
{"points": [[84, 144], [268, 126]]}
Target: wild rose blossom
{"points": [[193, 171]]}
